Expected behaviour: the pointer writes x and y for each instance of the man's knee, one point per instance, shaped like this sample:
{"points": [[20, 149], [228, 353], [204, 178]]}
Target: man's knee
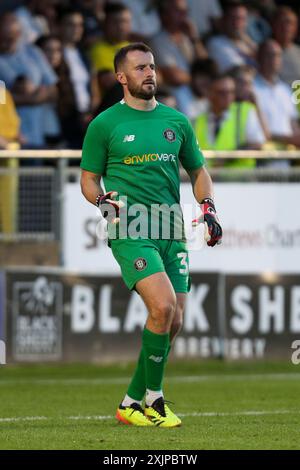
{"points": [[162, 314]]}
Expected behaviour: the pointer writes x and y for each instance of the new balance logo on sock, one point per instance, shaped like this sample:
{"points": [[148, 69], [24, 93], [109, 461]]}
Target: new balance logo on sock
{"points": [[156, 358], [129, 138]]}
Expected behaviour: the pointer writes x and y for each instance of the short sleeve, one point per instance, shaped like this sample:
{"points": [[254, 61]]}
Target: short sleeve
{"points": [[190, 154], [94, 150]]}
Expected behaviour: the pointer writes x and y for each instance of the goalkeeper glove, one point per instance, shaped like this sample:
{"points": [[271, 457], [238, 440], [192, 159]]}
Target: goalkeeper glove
{"points": [[110, 209], [213, 229]]}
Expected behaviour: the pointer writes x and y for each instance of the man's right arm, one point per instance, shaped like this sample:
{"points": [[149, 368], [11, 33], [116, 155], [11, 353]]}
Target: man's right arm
{"points": [[90, 185], [91, 189]]}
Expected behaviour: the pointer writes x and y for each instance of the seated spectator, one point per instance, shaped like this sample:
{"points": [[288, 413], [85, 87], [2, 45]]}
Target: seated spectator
{"points": [[116, 31], [227, 124], [274, 97], [70, 118], [145, 19], [9, 123], [71, 33], [9, 140], [32, 18], [202, 70], [175, 48], [93, 16], [285, 30], [26, 72], [244, 91], [234, 47], [206, 14]]}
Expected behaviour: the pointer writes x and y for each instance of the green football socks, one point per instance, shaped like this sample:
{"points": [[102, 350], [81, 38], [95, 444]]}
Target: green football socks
{"points": [[151, 363]]}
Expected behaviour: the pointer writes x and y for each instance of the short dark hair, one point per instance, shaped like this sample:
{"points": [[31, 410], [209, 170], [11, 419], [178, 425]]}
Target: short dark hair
{"points": [[64, 12], [220, 76], [122, 53], [237, 70], [42, 40], [114, 8], [207, 67], [232, 4], [283, 10]]}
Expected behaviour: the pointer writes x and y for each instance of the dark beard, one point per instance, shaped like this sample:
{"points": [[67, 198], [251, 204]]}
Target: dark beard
{"points": [[140, 93]]}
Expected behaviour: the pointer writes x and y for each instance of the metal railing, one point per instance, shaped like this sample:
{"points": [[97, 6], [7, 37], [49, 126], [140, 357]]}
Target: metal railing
{"points": [[31, 197]]}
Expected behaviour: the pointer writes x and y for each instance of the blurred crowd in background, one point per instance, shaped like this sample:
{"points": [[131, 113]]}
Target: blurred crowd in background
{"points": [[232, 67]]}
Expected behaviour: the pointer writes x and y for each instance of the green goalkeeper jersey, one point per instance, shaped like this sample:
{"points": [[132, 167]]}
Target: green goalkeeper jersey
{"points": [[138, 154]]}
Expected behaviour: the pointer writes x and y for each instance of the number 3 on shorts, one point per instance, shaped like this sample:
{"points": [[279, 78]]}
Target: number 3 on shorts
{"points": [[183, 262]]}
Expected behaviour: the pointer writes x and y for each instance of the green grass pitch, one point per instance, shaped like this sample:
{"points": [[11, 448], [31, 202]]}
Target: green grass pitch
{"points": [[222, 405]]}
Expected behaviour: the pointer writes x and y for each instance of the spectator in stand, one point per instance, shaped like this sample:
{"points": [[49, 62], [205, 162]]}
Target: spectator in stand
{"points": [[274, 97], [234, 47], [37, 18], [10, 139], [116, 32], [9, 124], [228, 125], [244, 91], [175, 48], [285, 30], [93, 15], [202, 70], [27, 74], [206, 14], [71, 33], [145, 19], [70, 118]]}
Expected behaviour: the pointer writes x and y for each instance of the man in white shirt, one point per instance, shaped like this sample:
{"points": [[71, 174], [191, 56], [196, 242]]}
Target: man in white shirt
{"points": [[234, 47], [285, 31], [275, 97]]}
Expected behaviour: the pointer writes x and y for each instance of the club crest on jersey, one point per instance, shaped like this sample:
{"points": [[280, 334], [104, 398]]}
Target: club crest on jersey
{"points": [[140, 264], [169, 135]]}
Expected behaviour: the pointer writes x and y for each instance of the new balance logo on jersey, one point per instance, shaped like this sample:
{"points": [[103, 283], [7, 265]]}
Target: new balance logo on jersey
{"points": [[156, 358], [129, 138]]}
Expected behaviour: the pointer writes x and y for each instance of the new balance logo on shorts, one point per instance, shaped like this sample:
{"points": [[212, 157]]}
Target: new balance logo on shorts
{"points": [[129, 138], [156, 358]]}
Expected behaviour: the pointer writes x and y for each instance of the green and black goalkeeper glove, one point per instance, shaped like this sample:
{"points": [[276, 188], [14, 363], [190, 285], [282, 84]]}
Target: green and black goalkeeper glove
{"points": [[213, 229]]}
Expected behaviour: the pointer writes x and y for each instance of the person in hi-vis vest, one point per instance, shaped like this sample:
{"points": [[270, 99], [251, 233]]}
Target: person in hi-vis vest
{"points": [[9, 140], [227, 124]]}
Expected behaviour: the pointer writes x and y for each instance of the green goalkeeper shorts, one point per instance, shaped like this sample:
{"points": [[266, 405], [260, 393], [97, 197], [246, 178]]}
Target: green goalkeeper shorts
{"points": [[142, 257]]}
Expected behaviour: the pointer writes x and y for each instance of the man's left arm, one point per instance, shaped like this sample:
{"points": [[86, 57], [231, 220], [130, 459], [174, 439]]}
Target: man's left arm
{"points": [[203, 192], [192, 160]]}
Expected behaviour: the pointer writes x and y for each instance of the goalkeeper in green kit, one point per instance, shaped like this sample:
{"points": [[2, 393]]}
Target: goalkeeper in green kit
{"points": [[136, 147]]}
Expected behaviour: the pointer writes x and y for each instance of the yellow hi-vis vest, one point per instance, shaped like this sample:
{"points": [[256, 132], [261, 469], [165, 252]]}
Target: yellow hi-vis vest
{"points": [[232, 134]]}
